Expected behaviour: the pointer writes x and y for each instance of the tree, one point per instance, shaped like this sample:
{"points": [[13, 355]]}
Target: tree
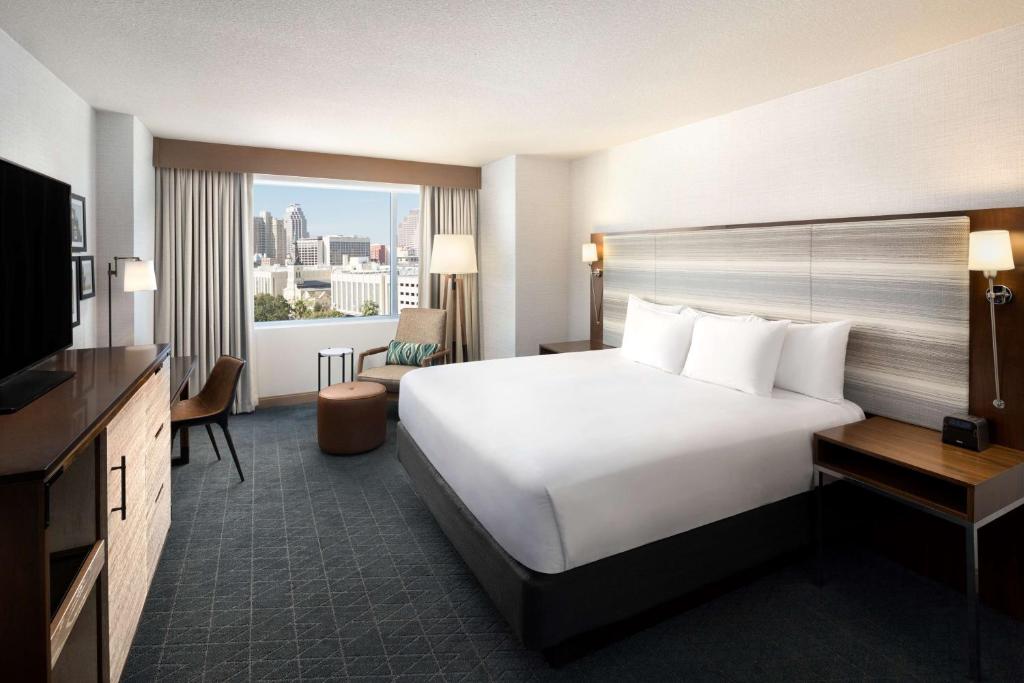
{"points": [[300, 309], [269, 307], [369, 308]]}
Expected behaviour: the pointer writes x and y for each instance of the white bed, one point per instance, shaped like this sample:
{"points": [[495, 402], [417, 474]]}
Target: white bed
{"points": [[567, 459]]}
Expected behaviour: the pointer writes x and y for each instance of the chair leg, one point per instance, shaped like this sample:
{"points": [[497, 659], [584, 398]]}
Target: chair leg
{"points": [[231, 446], [213, 441]]}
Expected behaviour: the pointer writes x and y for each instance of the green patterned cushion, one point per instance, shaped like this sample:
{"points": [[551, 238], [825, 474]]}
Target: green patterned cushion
{"points": [[409, 353]]}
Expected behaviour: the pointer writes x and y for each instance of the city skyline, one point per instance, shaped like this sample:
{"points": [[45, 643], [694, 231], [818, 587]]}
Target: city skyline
{"points": [[336, 211]]}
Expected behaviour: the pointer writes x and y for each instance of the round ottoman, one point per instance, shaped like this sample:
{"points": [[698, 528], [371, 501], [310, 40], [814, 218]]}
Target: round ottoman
{"points": [[351, 417]]}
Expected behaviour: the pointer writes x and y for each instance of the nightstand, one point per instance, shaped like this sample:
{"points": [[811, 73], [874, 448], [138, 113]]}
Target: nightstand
{"points": [[911, 465], [572, 347]]}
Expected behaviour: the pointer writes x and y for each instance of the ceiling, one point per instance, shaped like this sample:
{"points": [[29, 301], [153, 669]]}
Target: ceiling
{"points": [[466, 82]]}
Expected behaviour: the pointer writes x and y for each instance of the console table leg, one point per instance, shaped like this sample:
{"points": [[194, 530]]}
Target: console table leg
{"points": [[973, 634], [819, 531]]}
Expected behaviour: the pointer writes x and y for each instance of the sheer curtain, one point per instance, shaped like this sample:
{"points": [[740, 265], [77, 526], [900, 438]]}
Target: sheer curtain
{"points": [[204, 304], [450, 211]]}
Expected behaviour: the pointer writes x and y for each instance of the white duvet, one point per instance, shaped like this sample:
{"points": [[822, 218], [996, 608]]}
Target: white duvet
{"points": [[566, 459]]}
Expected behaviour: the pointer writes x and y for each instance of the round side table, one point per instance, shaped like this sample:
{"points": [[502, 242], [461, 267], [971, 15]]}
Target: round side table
{"points": [[333, 352]]}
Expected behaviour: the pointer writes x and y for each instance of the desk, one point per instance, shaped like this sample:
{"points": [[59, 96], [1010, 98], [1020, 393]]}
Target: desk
{"points": [[181, 371], [911, 465]]}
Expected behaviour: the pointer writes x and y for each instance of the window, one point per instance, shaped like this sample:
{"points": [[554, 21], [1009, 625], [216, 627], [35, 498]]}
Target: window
{"points": [[333, 249]]}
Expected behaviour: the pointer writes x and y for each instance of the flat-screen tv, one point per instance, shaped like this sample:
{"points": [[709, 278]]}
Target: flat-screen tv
{"points": [[35, 269]]}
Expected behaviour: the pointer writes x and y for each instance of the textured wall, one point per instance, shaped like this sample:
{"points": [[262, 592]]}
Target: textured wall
{"points": [[45, 126], [937, 132]]}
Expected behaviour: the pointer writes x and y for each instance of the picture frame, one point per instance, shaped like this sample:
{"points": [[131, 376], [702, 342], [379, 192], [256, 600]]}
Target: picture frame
{"points": [[76, 306], [86, 277], [79, 236]]}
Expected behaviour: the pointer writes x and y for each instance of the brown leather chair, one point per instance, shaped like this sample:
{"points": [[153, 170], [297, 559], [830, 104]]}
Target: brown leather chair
{"points": [[420, 325], [212, 405]]}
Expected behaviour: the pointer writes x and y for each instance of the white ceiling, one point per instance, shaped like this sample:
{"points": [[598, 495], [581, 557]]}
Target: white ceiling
{"points": [[466, 82]]}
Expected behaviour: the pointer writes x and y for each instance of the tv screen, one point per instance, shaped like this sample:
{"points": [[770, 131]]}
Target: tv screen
{"points": [[35, 267]]}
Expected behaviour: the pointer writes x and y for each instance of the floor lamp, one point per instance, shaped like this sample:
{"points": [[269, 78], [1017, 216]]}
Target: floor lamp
{"points": [[139, 276], [454, 255]]}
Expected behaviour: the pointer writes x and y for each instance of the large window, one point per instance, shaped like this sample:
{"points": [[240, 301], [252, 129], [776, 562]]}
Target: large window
{"points": [[333, 249]]}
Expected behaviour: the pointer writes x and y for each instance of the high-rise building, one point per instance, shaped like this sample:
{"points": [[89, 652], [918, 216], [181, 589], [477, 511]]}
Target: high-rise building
{"points": [[409, 233], [309, 251], [262, 236], [281, 243], [295, 223], [337, 247], [379, 253]]}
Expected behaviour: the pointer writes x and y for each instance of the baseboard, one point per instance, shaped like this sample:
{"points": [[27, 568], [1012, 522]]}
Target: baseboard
{"points": [[287, 400]]}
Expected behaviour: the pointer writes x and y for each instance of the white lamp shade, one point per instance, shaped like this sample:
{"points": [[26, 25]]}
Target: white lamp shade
{"points": [[453, 255], [990, 250], [139, 276], [589, 254]]}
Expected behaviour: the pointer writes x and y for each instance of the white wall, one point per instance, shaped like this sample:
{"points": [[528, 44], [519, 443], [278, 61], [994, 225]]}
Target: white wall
{"points": [[524, 216], [45, 126], [943, 131], [497, 238], [285, 354], [542, 220], [125, 189]]}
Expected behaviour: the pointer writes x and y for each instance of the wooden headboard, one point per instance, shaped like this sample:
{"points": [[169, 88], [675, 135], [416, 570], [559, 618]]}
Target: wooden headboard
{"points": [[921, 347]]}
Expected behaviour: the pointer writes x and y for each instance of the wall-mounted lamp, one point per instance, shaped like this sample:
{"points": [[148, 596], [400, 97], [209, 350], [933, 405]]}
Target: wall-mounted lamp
{"points": [[589, 256], [990, 251], [139, 276]]}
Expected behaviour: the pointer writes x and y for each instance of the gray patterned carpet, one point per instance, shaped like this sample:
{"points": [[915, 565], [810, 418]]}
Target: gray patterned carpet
{"points": [[321, 568]]}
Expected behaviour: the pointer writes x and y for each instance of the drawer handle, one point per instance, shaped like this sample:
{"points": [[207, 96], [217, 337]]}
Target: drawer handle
{"points": [[159, 493], [159, 430], [124, 503]]}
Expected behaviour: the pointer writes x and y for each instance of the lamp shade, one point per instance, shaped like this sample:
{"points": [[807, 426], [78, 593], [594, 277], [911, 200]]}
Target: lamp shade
{"points": [[990, 250], [139, 276], [589, 253], [453, 255]]}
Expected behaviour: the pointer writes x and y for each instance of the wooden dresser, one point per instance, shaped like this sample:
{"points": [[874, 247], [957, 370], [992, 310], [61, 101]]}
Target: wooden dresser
{"points": [[85, 505]]}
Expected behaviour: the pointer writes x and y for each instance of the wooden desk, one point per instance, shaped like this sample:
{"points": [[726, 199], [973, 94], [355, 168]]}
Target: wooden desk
{"points": [[571, 347], [181, 372], [911, 465]]}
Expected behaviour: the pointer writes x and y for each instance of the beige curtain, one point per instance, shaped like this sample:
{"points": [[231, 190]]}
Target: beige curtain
{"points": [[450, 211], [204, 304]]}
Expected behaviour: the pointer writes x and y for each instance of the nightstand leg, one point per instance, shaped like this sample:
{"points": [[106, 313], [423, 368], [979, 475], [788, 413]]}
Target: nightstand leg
{"points": [[819, 531], [973, 635]]}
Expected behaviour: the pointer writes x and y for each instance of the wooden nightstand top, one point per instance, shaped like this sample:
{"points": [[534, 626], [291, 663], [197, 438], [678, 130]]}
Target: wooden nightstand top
{"points": [[913, 463], [572, 346]]}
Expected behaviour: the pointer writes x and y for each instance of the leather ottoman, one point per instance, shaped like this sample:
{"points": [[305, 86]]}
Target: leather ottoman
{"points": [[351, 417]]}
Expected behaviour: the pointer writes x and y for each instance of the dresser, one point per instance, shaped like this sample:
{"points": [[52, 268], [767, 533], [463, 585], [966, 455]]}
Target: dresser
{"points": [[85, 504]]}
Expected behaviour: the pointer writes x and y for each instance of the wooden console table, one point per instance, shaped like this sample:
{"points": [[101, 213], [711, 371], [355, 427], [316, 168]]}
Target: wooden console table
{"points": [[181, 372], [84, 511], [911, 465]]}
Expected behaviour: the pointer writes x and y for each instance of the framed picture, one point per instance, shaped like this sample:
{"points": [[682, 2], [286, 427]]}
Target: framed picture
{"points": [[76, 309], [86, 277], [77, 223]]}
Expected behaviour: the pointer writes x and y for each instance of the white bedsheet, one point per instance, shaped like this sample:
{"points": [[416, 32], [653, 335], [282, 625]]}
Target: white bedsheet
{"points": [[566, 459]]}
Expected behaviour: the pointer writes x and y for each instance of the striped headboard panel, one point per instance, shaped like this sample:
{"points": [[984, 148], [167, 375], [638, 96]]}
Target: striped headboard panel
{"points": [[903, 283]]}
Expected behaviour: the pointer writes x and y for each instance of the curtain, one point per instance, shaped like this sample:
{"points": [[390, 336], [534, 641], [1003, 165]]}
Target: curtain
{"points": [[204, 304], [450, 211]]}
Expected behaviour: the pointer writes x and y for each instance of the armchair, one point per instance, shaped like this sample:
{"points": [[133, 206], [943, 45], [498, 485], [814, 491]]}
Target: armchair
{"points": [[419, 325]]}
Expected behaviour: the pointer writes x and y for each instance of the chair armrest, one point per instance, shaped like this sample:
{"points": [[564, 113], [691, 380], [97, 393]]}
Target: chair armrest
{"points": [[369, 352], [429, 360]]}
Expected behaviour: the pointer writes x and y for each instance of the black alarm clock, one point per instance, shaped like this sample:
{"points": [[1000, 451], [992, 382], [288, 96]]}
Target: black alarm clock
{"points": [[965, 431]]}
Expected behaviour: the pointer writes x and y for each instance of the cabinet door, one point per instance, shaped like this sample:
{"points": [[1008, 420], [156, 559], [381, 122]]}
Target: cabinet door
{"points": [[127, 550]]}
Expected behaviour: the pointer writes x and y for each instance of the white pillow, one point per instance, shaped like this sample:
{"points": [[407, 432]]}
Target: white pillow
{"points": [[740, 353], [634, 304], [814, 359], [658, 339]]}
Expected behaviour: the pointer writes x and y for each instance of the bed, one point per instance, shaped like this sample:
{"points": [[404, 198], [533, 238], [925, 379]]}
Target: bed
{"points": [[558, 477]]}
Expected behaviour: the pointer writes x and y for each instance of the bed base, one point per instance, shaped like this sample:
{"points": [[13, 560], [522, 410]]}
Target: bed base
{"points": [[545, 610]]}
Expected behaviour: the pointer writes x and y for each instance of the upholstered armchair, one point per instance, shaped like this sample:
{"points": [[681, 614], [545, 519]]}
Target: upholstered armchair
{"points": [[417, 325]]}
